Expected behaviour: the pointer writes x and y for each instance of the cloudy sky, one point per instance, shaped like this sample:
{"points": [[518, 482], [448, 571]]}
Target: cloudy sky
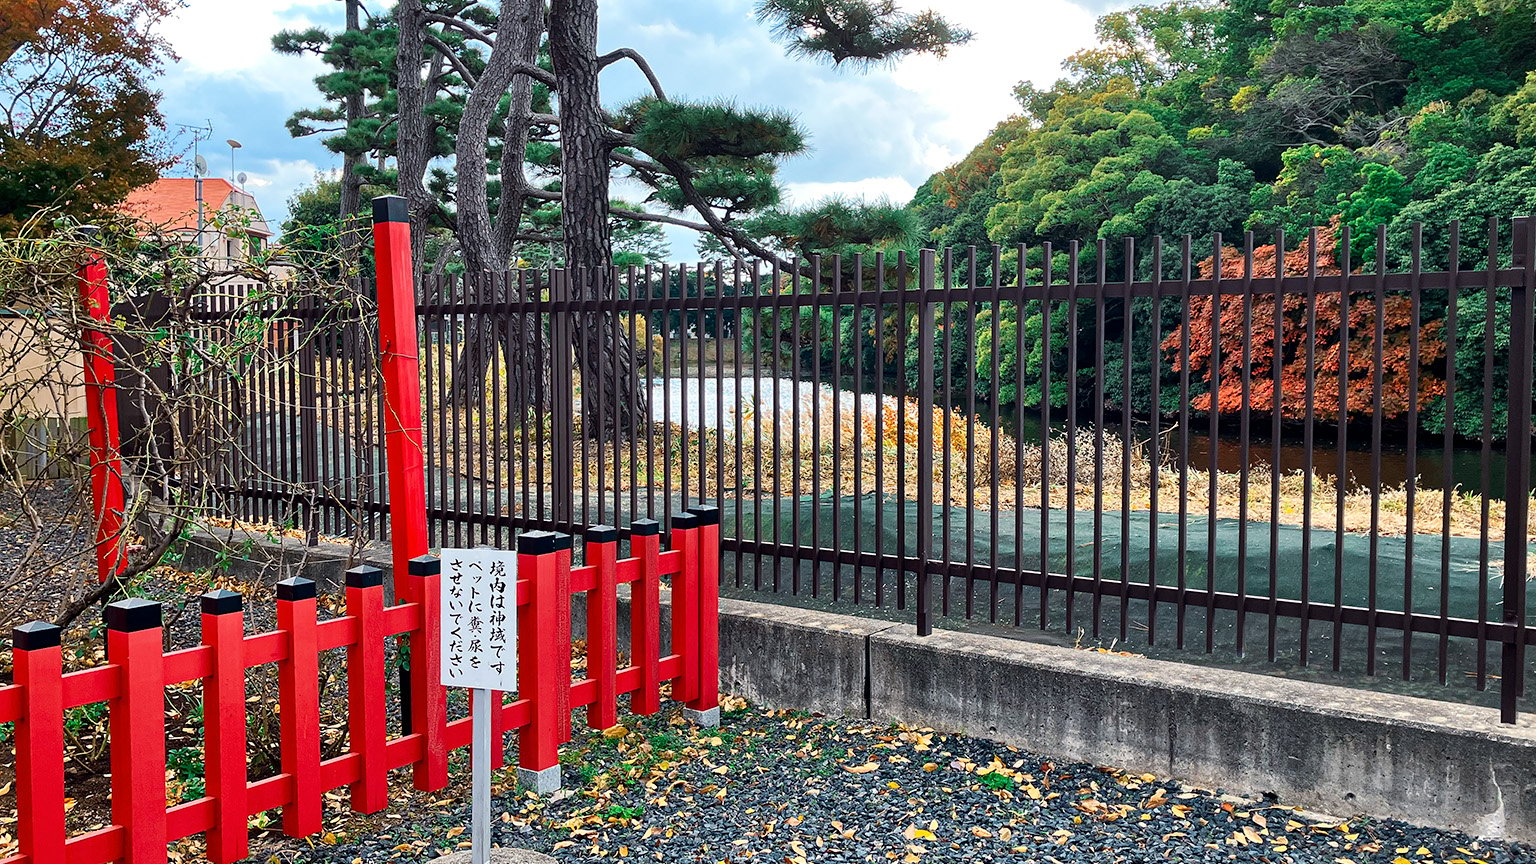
{"points": [[877, 133]]}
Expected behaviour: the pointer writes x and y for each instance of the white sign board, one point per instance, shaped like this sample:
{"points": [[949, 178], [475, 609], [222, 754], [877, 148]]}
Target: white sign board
{"points": [[479, 619]]}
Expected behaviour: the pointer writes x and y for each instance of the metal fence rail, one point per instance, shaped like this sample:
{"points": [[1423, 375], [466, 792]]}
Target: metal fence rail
{"points": [[1318, 461]]}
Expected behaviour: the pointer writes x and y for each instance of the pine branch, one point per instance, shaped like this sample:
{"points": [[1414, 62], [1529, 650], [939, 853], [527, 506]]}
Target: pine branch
{"points": [[612, 57]]}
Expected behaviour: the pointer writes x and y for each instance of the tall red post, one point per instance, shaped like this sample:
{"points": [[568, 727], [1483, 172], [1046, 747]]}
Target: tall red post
{"points": [[224, 738], [136, 722], [38, 667], [366, 723], [298, 688], [602, 552], [539, 660], [645, 615], [107, 495], [399, 356], [563, 632], [704, 707], [429, 698]]}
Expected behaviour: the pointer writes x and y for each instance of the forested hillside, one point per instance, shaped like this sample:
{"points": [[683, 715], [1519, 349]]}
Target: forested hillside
{"points": [[1193, 117]]}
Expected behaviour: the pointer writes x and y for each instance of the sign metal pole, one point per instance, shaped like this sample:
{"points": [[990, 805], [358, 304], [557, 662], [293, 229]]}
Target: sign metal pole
{"points": [[480, 753]]}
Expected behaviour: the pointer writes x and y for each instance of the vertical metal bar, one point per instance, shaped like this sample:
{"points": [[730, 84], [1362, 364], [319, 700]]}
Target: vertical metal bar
{"points": [[1415, 314], [309, 421], [456, 409], [699, 393], [738, 413], [595, 383], [1309, 434], [856, 333], [1378, 375], [1276, 411], [480, 770], [562, 410], [901, 427], [996, 431], [878, 445], [778, 434], [968, 350], [815, 407], [1448, 444], [1047, 282], [925, 407], [1184, 430], [1072, 339], [1342, 251], [1517, 489], [1490, 295], [796, 370], [1022, 280], [1100, 304], [1245, 432], [1126, 413], [946, 445], [757, 425], [1215, 439], [666, 388], [1155, 435], [837, 424], [651, 326]]}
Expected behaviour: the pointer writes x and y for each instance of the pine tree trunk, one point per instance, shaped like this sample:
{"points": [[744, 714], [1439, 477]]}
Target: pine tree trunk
{"points": [[414, 142], [487, 248], [604, 355]]}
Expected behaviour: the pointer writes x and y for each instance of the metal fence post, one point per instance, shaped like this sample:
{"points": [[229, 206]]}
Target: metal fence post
{"points": [[561, 402], [1518, 477], [309, 425], [925, 325]]}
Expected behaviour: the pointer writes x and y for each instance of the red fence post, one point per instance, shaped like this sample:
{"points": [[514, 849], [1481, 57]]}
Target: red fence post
{"points": [[429, 699], [704, 707], [107, 496], [539, 658], [298, 687], [399, 357], [224, 738], [563, 633], [685, 606], [366, 729], [602, 551], [39, 671], [645, 615], [136, 722]]}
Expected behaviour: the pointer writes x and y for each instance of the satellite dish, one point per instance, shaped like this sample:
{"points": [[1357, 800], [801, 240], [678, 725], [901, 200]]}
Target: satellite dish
{"points": [[241, 179], [199, 167]]}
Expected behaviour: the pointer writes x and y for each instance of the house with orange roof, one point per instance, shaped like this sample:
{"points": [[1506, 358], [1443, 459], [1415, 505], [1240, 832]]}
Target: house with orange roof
{"points": [[186, 208]]}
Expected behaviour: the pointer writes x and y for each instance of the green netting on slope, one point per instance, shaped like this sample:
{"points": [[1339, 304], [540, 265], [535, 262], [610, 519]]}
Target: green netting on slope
{"points": [[874, 523]]}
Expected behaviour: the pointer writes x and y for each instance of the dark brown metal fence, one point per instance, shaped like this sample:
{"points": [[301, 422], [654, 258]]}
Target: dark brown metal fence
{"points": [[1315, 463]]}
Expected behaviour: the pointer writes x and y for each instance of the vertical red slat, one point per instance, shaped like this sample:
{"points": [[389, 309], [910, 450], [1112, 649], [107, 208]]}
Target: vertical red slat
{"points": [[645, 615], [498, 729], [706, 543], [298, 687], [224, 738], [365, 688], [38, 670], [563, 631], [107, 494], [539, 660], [685, 609], [136, 722], [429, 699], [602, 551]]}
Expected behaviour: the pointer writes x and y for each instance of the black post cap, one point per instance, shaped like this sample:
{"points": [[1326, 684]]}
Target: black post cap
{"points": [[601, 534], [1520, 236], [36, 635], [390, 208], [536, 543], [645, 527], [562, 541], [424, 565], [685, 520], [365, 576], [132, 615], [708, 514], [296, 588], [222, 602]]}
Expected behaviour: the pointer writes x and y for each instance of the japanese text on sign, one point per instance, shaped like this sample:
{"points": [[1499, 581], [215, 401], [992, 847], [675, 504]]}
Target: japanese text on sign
{"points": [[479, 619]]}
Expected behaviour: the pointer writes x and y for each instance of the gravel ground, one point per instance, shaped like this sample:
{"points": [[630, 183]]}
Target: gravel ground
{"points": [[786, 787]]}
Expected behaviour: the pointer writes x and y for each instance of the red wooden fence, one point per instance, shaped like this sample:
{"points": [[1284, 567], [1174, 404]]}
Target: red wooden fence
{"points": [[133, 685]]}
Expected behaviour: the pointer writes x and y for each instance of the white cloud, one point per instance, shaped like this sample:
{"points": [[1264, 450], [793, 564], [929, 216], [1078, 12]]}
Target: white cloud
{"points": [[223, 39], [896, 190], [273, 182]]}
